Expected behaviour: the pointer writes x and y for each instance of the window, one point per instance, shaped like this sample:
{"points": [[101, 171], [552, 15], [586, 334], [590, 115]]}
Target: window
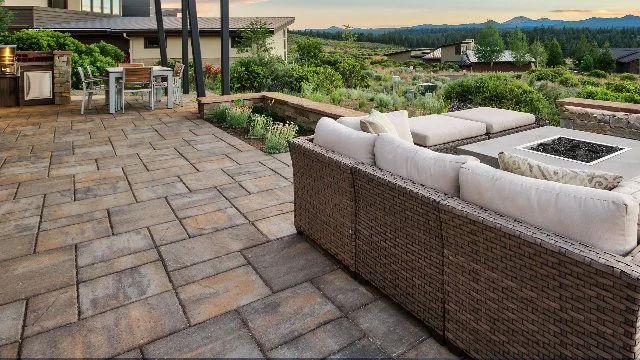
{"points": [[106, 6], [235, 41], [86, 5], [95, 7], [115, 6], [57, 4], [459, 49], [151, 43]]}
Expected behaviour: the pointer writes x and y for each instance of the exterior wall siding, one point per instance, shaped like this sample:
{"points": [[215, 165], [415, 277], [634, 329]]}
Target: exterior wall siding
{"points": [[449, 54], [210, 43], [501, 67]]}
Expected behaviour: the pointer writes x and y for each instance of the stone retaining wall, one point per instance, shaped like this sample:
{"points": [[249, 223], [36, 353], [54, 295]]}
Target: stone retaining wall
{"points": [[298, 110], [601, 117]]}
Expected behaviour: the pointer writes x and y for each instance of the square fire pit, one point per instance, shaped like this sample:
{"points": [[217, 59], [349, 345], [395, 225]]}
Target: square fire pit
{"points": [[565, 148]]}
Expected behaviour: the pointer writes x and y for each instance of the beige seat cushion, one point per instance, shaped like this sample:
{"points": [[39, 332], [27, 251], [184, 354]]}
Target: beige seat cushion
{"points": [[434, 130], [399, 119], [429, 168], [497, 120], [631, 187], [523, 166], [599, 218], [377, 123], [343, 140]]}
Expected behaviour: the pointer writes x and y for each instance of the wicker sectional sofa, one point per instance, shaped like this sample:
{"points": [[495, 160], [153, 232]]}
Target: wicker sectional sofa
{"points": [[488, 284]]}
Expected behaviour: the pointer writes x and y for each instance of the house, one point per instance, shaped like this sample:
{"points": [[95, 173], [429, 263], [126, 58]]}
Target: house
{"points": [[454, 52], [506, 63], [434, 57], [138, 36], [42, 13], [409, 54], [627, 60]]}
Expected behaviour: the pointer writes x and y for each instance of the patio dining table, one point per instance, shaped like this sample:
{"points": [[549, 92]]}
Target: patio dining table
{"points": [[115, 73]]}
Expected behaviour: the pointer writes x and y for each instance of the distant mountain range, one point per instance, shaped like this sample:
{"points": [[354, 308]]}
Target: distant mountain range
{"points": [[517, 22]]}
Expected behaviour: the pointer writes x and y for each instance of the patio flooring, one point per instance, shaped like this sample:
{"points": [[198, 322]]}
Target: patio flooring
{"points": [[156, 234]]}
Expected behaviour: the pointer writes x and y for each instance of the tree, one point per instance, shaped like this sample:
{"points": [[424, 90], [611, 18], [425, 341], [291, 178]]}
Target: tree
{"points": [[489, 46], [257, 39], [555, 54], [539, 53], [309, 50], [519, 46], [6, 16], [587, 64], [605, 60], [584, 48]]}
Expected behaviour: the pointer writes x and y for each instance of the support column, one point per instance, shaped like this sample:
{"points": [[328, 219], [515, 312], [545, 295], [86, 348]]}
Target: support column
{"points": [[226, 46], [195, 46], [185, 46], [162, 41]]}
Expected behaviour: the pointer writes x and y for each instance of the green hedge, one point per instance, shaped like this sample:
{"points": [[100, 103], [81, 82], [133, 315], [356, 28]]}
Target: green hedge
{"points": [[500, 91], [99, 56]]}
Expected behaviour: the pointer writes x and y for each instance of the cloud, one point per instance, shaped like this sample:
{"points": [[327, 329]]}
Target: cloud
{"points": [[596, 12]]}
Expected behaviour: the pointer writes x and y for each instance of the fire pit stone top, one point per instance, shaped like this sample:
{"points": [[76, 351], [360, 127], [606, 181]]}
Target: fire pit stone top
{"points": [[622, 155]]}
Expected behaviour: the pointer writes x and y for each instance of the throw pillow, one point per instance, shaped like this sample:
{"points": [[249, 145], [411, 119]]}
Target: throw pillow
{"points": [[343, 140], [399, 119], [523, 166], [377, 123]]}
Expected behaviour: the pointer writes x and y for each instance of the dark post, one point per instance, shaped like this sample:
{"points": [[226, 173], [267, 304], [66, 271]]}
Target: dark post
{"points": [[185, 46], [195, 47], [161, 39], [225, 61]]}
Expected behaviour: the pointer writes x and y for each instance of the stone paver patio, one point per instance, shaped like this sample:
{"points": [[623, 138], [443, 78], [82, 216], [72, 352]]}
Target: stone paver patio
{"points": [[156, 234]]}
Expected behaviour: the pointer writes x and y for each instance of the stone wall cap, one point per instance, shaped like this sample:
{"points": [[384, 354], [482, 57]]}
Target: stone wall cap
{"points": [[601, 105]]}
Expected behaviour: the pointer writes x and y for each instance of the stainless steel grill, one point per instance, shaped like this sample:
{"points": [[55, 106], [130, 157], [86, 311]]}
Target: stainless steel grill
{"points": [[8, 59]]}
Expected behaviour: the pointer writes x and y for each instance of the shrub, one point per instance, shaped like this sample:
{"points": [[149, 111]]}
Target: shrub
{"points": [[260, 73], [335, 97], [622, 87], [259, 126], [316, 79], [499, 91], [628, 77], [99, 56], [352, 72], [553, 92], [569, 80], [548, 74], [585, 81], [218, 114], [598, 74], [383, 101], [430, 104], [601, 93], [238, 117], [277, 137], [309, 50]]}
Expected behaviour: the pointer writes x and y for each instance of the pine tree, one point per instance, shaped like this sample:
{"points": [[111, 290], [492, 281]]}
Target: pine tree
{"points": [[587, 64], [539, 53], [605, 60], [583, 48], [555, 54], [519, 46], [489, 46]]}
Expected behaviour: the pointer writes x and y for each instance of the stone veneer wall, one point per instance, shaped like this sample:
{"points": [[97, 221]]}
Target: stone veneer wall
{"points": [[62, 77], [301, 111], [601, 117]]}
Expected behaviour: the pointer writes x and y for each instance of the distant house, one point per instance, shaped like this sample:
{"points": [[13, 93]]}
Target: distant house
{"points": [[449, 53], [505, 63], [409, 54], [138, 36], [627, 60]]}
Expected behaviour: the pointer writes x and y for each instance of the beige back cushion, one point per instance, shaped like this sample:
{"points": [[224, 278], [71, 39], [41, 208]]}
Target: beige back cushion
{"points": [[343, 140], [521, 165], [429, 168], [377, 123], [399, 119], [599, 218]]}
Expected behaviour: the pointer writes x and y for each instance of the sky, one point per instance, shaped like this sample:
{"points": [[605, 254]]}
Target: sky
{"points": [[398, 13]]}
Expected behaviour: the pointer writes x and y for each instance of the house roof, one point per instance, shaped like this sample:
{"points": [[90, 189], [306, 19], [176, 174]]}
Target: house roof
{"points": [[625, 55], [171, 24], [506, 57], [468, 41], [435, 54], [412, 51]]}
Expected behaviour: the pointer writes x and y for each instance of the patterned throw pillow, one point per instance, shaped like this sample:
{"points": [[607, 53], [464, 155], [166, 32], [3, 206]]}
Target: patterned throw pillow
{"points": [[523, 166], [377, 123]]}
